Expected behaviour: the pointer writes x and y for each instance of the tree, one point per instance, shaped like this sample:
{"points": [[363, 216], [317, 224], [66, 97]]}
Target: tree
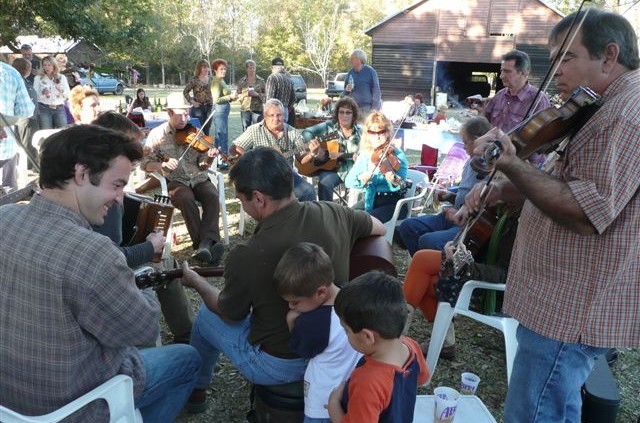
{"points": [[319, 39]]}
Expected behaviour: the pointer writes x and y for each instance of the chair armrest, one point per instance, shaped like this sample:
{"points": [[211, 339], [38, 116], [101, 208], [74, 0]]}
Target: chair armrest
{"points": [[464, 299]]}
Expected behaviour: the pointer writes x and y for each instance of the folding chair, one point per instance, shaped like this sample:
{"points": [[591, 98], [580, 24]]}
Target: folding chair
{"points": [[418, 179]]}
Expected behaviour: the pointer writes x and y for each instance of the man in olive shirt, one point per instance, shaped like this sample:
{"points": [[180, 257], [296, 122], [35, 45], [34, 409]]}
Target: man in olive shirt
{"points": [[247, 319]]}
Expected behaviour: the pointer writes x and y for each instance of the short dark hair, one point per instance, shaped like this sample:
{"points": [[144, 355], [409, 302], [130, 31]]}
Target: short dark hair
{"points": [[521, 59], [600, 28], [303, 269], [476, 126], [349, 102], [89, 145], [118, 122], [22, 65], [419, 96], [373, 301], [263, 169]]}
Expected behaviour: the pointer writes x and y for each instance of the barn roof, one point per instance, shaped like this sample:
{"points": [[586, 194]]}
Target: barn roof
{"points": [[420, 2]]}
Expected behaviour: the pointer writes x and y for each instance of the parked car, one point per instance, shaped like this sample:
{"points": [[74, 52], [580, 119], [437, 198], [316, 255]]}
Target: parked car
{"points": [[103, 82], [300, 87], [336, 87]]}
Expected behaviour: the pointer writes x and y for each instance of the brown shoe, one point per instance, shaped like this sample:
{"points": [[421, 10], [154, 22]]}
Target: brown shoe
{"points": [[197, 402], [447, 352]]}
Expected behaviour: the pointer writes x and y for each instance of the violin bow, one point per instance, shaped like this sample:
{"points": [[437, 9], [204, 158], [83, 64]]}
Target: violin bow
{"points": [[195, 138], [569, 36]]}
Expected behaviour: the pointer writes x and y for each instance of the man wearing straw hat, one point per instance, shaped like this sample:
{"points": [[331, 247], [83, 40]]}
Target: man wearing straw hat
{"points": [[188, 181]]}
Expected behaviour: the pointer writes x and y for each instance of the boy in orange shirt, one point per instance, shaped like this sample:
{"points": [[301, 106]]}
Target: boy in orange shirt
{"points": [[382, 388]]}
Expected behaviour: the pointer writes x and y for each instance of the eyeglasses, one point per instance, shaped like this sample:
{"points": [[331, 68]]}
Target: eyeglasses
{"points": [[380, 132], [345, 112]]}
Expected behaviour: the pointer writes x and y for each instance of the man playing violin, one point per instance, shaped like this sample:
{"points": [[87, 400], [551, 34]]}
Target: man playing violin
{"points": [[573, 279], [273, 132], [188, 181]]}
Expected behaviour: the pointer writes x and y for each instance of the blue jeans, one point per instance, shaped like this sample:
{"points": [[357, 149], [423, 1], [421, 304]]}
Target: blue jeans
{"points": [[221, 122], [52, 118], [249, 118], [429, 232], [546, 379], [211, 336], [202, 113], [170, 377], [327, 181], [302, 189]]}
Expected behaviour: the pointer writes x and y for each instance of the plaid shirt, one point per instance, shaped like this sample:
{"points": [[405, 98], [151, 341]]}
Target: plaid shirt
{"points": [[279, 86], [70, 312], [14, 101], [289, 143], [163, 139], [506, 111], [586, 288]]}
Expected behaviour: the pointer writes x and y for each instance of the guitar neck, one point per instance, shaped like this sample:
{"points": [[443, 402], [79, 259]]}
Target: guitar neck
{"points": [[157, 280]]}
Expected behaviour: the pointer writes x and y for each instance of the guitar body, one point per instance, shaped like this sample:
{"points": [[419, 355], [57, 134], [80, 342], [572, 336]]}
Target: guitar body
{"points": [[331, 145], [481, 231]]}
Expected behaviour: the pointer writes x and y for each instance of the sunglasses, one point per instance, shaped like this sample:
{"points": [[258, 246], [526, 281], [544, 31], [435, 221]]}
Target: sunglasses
{"points": [[345, 112], [380, 132]]}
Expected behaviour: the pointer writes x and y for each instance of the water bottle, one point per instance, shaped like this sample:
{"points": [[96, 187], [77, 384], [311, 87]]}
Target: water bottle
{"points": [[351, 83]]}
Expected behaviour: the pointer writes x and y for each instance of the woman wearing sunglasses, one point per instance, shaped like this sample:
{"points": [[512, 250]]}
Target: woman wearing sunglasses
{"points": [[379, 170]]}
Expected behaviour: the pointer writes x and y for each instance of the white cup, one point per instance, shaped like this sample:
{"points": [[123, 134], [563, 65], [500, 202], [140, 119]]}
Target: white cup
{"points": [[446, 404], [469, 383]]}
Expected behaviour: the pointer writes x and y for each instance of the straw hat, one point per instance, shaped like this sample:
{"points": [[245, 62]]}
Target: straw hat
{"points": [[177, 101]]}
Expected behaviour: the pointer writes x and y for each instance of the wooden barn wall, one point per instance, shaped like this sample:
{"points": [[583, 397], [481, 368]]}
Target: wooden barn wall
{"points": [[404, 69]]}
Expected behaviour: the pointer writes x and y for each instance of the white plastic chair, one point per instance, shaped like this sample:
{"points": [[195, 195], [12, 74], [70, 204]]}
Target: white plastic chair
{"points": [[418, 178], [445, 313], [117, 392]]}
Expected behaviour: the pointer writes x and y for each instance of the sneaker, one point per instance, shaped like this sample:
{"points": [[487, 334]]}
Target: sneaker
{"points": [[197, 402], [202, 254], [216, 251]]}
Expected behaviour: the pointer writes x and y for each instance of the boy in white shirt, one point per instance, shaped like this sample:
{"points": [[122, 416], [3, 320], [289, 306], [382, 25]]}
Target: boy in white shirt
{"points": [[304, 278]]}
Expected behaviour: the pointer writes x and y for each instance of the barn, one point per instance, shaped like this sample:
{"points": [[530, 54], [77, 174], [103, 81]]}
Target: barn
{"points": [[455, 46]]}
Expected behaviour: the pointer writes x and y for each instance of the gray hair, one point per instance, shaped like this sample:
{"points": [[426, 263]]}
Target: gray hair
{"points": [[361, 55], [273, 102], [521, 60], [599, 29], [249, 62]]}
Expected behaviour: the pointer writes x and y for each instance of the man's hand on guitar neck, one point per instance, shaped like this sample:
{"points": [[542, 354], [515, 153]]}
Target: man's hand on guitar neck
{"points": [[208, 292]]}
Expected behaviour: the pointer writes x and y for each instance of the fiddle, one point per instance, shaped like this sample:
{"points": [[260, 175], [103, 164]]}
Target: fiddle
{"points": [[544, 130], [192, 136], [385, 159]]}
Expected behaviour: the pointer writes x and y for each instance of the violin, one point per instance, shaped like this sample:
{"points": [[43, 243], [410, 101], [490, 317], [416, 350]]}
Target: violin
{"points": [[544, 130], [384, 158], [192, 136]]}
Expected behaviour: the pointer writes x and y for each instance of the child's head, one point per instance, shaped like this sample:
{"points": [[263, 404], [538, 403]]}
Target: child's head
{"points": [[303, 276], [375, 302]]}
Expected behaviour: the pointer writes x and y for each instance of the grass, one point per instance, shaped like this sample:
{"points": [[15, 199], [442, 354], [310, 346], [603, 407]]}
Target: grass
{"points": [[480, 349]]}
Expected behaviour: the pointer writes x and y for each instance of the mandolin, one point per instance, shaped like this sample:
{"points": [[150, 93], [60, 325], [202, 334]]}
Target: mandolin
{"points": [[330, 145]]}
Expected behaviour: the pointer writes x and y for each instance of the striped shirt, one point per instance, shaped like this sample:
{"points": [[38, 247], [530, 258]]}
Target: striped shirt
{"points": [[280, 86], [14, 101], [586, 288], [70, 312]]}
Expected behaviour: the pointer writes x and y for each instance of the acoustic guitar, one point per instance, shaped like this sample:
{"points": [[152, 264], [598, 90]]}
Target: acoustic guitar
{"points": [[369, 253], [329, 161], [19, 194]]}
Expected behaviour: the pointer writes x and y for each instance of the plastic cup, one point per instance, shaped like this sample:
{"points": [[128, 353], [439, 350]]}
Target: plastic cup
{"points": [[446, 404], [469, 383]]}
